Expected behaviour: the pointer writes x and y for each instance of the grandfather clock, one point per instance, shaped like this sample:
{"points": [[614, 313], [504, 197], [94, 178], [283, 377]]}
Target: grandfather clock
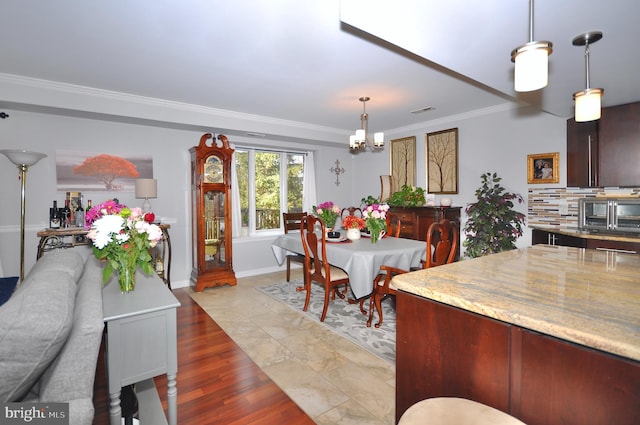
{"points": [[211, 213]]}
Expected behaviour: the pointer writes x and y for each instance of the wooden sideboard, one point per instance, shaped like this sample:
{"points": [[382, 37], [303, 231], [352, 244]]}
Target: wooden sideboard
{"points": [[415, 221]]}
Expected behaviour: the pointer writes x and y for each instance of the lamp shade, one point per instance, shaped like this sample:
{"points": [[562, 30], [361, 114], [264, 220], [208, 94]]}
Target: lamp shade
{"points": [[588, 104], [532, 66], [146, 188], [22, 157]]}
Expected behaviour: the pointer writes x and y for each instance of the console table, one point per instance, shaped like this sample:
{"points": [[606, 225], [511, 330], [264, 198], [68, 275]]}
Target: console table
{"points": [[141, 343], [77, 236]]}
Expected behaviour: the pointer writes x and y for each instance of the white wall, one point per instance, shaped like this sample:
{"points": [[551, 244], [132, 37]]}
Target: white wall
{"points": [[169, 148], [498, 141]]}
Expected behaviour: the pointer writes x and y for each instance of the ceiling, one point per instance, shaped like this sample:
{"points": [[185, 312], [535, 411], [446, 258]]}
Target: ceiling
{"points": [[296, 60]]}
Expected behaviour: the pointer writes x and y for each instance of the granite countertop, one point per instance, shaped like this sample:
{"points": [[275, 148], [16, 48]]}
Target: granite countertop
{"points": [[589, 234], [585, 296]]}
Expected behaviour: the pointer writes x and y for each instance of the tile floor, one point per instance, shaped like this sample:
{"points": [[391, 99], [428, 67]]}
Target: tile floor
{"points": [[332, 379]]}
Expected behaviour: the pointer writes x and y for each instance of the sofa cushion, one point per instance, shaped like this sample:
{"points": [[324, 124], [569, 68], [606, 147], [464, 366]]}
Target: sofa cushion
{"points": [[65, 260], [7, 285], [34, 325], [71, 375]]}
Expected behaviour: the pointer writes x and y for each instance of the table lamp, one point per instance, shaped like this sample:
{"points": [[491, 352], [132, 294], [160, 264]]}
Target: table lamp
{"points": [[146, 188], [23, 159]]}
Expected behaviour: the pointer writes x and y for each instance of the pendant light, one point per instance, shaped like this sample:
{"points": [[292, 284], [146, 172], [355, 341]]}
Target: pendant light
{"points": [[588, 101], [532, 61]]}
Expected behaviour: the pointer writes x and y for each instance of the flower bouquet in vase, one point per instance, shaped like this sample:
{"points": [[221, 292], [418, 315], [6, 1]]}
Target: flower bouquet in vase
{"points": [[353, 225], [122, 236], [375, 220], [329, 213]]}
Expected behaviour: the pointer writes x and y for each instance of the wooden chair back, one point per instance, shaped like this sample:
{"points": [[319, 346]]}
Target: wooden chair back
{"points": [[393, 225], [315, 248], [292, 221], [317, 268], [350, 211], [443, 237]]}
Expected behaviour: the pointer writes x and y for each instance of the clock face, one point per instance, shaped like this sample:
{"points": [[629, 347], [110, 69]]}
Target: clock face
{"points": [[213, 170]]}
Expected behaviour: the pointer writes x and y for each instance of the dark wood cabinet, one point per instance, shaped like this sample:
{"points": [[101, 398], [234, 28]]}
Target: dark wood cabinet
{"points": [[601, 242], [619, 246], [415, 221], [444, 351], [550, 238], [605, 152]]}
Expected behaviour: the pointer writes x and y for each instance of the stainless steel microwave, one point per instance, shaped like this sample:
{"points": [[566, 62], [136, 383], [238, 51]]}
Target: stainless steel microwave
{"points": [[618, 215]]}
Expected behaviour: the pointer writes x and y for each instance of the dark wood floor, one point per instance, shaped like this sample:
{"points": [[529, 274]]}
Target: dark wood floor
{"points": [[217, 382]]}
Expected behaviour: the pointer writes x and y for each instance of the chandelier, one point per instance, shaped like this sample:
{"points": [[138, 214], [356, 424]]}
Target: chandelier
{"points": [[361, 141]]}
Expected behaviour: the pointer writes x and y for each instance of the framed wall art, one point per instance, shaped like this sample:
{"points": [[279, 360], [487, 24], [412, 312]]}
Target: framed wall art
{"points": [[403, 163], [442, 161], [543, 168]]}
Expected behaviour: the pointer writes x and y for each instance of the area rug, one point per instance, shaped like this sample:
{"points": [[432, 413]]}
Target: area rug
{"points": [[343, 318]]}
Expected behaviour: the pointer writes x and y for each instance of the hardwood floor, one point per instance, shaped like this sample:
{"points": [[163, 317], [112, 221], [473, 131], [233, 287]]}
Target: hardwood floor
{"points": [[217, 382]]}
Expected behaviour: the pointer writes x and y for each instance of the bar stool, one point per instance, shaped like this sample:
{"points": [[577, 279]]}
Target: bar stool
{"points": [[453, 410]]}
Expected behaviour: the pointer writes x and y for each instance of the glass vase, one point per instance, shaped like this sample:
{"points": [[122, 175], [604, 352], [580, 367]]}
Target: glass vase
{"points": [[127, 276]]}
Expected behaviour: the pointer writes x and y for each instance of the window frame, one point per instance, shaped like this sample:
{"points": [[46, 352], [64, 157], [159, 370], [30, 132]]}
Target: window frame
{"points": [[251, 187]]}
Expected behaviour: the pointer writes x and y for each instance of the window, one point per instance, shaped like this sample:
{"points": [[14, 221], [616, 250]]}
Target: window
{"points": [[269, 184]]}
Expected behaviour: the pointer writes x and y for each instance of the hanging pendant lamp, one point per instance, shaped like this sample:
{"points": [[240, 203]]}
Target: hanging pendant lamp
{"points": [[532, 61], [588, 101]]}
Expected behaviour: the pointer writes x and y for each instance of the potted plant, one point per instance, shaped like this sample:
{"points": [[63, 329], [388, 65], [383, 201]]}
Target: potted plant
{"points": [[407, 196], [492, 224]]}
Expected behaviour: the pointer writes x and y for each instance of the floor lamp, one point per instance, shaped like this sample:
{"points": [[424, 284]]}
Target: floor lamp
{"points": [[23, 159]]}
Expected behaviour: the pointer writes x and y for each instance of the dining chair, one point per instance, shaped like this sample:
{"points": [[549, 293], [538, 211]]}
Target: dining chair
{"points": [[317, 268], [393, 224], [454, 410], [350, 211], [442, 243], [292, 222]]}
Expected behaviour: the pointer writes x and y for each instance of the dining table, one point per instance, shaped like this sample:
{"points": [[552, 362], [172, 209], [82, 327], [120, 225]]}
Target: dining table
{"points": [[360, 259]]}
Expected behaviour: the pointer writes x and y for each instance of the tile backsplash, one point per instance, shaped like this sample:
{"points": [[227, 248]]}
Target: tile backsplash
{"points": [[558, 206]]}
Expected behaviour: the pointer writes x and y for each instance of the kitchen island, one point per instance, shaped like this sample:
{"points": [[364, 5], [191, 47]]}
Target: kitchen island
{"points": [[549, 334]]}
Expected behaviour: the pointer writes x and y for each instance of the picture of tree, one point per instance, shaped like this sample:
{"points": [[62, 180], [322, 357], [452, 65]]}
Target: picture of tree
{"points": [[107, 168], [403, 163], [442, 161], [91, 172]]}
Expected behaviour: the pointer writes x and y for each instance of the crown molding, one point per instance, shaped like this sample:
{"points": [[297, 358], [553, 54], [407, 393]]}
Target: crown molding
{"points": [[71, 96]]}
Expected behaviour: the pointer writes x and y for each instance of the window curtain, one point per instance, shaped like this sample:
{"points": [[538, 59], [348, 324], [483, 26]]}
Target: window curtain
{"points": [[236, 211], [309, 184]]}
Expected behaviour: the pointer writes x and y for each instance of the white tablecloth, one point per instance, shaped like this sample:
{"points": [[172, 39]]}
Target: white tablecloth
{"points": [[361, 259]]}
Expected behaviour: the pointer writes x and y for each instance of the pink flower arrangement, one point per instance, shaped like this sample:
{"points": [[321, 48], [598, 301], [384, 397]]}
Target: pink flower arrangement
{"points": [[328, 212], [375, 218]]}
